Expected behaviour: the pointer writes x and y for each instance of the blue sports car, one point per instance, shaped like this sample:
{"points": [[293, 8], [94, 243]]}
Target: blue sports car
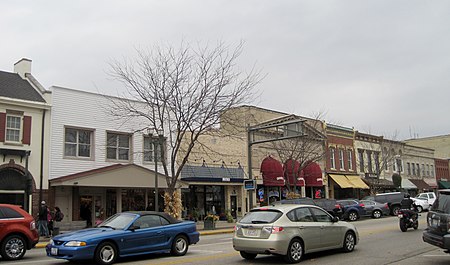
{"points": [[126, 234]]}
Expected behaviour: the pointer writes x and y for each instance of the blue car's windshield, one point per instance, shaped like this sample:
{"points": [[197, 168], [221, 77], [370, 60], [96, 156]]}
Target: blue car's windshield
{"points": [[118, 221]]}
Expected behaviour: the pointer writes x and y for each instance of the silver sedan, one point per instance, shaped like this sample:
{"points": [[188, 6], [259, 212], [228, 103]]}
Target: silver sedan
{"points": [[291, 231]]}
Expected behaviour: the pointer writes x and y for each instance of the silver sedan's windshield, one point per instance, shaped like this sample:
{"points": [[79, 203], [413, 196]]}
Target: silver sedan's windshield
{"points": [[118, 221]]}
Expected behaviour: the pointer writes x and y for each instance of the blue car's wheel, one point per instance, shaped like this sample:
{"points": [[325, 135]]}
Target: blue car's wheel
{"points": [[179, 246], [106, 253]]}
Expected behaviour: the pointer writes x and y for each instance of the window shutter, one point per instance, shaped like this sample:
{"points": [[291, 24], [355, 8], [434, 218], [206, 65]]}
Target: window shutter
{"points": [[26, 130], [2, 126]]}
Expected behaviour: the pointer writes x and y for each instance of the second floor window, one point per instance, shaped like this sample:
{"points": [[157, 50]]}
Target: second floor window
{"points": [[369, 162], [77, 143], [408, 167], [118, 146], [332, 158], [361, 160], [350, 159], [341, 159], [376, 157], [149, 151], [13, 128]]}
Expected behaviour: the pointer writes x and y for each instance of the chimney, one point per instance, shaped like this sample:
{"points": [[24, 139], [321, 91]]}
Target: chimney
{"points": [[23, 67]]}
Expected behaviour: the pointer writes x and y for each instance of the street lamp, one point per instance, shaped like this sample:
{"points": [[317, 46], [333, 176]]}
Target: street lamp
{"points": [[157, 141]]}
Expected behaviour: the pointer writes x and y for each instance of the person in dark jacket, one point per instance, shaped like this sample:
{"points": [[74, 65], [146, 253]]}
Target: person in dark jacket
{"points": [[42, 220], [408, 205]]}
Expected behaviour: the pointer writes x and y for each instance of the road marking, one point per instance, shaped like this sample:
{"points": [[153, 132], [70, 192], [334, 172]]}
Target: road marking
{"points": [[197, 259], [436, 255]]}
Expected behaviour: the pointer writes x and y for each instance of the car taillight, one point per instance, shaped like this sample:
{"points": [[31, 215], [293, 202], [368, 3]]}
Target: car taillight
{"points": [[273, 229], [361, 204], [386, 206], [33, 225], [337, 206]]}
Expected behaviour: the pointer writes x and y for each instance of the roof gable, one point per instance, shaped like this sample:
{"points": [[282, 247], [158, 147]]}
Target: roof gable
{"points": [[13, 86]]}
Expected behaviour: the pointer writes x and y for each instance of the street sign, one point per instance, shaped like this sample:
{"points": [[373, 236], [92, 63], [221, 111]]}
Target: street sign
{"points": [[249, 184]]}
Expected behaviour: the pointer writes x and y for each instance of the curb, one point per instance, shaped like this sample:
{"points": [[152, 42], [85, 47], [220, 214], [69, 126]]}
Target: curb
{"points": [[202, 233]]}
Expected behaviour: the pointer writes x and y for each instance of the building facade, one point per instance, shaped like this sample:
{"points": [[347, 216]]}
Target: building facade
{"points": [[24, 137]]}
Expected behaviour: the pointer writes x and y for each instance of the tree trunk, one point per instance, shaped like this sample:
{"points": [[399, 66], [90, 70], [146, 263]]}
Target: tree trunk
{"points": [[172, 203]]}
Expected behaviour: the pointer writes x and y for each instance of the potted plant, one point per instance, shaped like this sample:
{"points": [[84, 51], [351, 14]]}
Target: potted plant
{"points": [[210, 221], [229, 217]]}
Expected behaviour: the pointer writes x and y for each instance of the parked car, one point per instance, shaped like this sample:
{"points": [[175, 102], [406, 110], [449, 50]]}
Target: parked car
{"points": [[437, 232], [126, 234], [430, 196], [393, 199], [421, 204], [329, 205], [375, 209], [291, 231], [18, 232], [352, 209]]}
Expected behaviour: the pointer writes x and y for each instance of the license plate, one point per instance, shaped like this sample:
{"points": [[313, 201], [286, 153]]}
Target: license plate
{"points": [[252, 232], [54, 251]]}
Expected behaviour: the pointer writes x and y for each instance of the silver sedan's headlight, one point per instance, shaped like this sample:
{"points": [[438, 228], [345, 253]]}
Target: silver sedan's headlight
{"points": [[51, 242], [75, 244]]}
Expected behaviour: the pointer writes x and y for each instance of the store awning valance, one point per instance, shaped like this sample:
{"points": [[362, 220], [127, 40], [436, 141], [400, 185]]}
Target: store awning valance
{"points": [[407, 184], [431, 182], [272, 172], [420, 184], [342, 181], [357, 182], [312, 174], [444, 184], [349, 181]]}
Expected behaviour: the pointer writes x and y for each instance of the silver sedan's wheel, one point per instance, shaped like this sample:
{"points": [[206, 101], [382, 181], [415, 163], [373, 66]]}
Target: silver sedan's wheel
{"points": [[376, 214], [349, 242], [419, 209], [295, 251], [13, 248], [106, 253]]}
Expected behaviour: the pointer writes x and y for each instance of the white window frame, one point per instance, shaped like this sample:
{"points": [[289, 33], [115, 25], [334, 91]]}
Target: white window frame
{"points": [[20, 129], [341, 159], [350, 159], [118, 146], [150, 152], [332, 158], [77, 143]]}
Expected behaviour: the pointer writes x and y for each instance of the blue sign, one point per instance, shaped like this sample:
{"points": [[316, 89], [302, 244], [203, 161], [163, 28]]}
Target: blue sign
{"points": [[249, 184]]}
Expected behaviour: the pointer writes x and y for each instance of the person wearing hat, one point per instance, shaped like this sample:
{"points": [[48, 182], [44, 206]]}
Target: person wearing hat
{"points": [[42, 220]]}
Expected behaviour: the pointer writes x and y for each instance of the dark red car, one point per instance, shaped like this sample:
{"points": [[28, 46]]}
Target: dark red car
{"points": [[18, 232]]}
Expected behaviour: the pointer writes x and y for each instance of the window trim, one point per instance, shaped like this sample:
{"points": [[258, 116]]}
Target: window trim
{"points": [[130, 146], [20, 117], [332, 158], [341, 159], [92, 143], [350, 159]]}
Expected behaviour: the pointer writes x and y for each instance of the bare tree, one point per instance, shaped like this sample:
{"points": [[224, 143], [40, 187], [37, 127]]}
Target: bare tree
{"points": [[185, 90], [304, 149]]}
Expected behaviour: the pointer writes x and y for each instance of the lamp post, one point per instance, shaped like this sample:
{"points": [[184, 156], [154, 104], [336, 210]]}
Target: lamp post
{"points": [[157, 142]]}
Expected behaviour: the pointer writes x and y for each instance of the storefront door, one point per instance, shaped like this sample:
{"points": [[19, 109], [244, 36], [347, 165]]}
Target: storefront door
{"points": [[233, 206]]}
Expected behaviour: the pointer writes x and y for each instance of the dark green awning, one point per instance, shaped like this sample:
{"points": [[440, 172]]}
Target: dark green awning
{"points": [[444, 184]]}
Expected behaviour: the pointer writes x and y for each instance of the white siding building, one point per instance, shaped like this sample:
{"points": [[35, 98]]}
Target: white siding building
{"points": [[99, 164]]}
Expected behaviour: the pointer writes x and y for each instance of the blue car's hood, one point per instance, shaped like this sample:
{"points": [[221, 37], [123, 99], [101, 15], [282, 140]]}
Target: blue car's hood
{"points": [[85, 234]]}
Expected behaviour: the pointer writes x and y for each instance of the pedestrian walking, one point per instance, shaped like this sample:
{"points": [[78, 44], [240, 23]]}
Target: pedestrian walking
{"points": [[49, 221], [42, 220], [59, 216]]}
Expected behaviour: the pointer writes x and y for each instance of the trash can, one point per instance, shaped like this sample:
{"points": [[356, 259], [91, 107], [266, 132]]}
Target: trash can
{"points": [[55, 231]]}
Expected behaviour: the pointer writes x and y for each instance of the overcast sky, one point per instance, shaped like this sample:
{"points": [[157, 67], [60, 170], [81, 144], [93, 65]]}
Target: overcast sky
{"points": [[378, 66]]}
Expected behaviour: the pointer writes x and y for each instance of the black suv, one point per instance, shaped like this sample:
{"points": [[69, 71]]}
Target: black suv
{"points": [[393, 199], [437, 232]]}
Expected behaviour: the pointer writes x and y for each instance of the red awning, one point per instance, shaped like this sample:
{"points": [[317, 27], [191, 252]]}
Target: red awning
{"points": [[313, 175], [291, 171], [272, 172]]}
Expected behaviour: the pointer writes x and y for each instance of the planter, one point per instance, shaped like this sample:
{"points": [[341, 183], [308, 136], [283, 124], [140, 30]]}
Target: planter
{"points": [[209, 225]]}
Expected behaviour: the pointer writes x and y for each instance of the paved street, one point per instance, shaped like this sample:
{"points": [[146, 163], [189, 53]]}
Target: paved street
{"points": [[382, 242]]}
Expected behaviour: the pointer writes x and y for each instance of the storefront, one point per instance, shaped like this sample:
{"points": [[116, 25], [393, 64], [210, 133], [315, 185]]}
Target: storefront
{"points": [[212, 190], [97, 194], [347, 186]]}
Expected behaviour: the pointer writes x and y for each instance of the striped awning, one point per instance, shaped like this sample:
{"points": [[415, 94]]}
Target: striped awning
{"points": [[349, 181]]}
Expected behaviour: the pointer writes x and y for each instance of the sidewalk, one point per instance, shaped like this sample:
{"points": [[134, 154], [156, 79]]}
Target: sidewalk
{"points": [[222, 227]]}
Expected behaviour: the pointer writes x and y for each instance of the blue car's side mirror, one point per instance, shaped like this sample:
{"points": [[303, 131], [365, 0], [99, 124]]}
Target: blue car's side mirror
{"points": [[134, 227]]}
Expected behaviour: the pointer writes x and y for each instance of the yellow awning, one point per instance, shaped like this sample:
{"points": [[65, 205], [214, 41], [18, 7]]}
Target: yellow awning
{"points": [[357, 182], [342, 181]]}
